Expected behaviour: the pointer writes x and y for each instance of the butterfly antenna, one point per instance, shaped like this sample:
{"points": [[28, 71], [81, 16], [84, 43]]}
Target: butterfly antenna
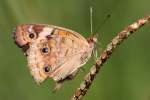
{"points": [[91, 19], [103, 22], [100, 26]]}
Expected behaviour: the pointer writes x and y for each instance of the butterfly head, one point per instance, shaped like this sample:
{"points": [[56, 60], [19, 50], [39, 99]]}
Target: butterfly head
{"points": [[92, 40]]}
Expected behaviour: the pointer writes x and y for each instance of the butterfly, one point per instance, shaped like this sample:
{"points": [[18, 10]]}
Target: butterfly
{"points": [[52, 51]]}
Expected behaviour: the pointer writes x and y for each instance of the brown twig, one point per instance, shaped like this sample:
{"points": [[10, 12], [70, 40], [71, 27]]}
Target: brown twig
{"points": [[84, 86]]}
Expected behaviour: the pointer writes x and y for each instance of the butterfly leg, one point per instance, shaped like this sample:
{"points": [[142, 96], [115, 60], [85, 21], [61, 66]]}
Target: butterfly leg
{"points": [[57, 86], [94, 52]]}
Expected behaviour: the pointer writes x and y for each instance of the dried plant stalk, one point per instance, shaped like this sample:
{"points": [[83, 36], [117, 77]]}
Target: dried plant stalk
{"points": [[84, 86]]}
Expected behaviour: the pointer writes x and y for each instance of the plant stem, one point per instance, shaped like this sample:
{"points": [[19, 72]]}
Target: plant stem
{"points": [[121, 36]]}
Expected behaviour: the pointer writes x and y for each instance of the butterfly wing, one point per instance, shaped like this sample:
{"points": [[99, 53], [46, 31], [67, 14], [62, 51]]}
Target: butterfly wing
{"points": [[72, 51], [52, 51]]}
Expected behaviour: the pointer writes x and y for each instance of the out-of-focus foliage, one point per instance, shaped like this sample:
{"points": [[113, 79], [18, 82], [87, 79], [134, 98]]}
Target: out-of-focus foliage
{"points": [[126, 76]]}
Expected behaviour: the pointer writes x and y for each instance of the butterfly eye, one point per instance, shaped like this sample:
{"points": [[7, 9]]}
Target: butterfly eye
{"points": [[45, 50], [47, 68], [31, 35]]}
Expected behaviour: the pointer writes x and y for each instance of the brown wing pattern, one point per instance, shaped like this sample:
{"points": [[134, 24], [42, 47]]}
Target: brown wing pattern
{"points": [[68, 50], [52, 51]]}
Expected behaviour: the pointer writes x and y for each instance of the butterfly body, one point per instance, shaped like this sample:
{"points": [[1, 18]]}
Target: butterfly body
{"points": [[53, 51]]}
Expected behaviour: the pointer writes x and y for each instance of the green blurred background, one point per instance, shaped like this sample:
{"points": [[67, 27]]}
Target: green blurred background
{"points": [[126, 76]]}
